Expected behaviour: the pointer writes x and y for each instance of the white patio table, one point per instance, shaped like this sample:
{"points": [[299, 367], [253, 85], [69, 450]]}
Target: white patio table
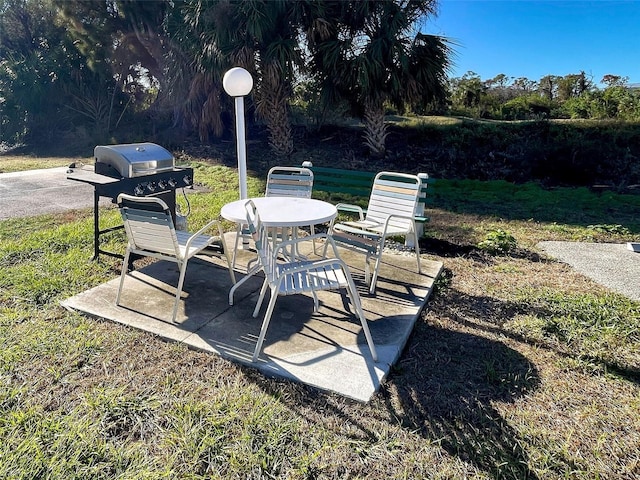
{"points": [[278, 212], [282, 211]]}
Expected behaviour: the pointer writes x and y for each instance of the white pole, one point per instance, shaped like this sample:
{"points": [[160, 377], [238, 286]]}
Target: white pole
{"points": [[237, 82], [241, 147]]}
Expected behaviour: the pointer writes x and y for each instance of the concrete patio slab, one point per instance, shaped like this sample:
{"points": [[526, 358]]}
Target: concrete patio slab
{"points": [[326, 349]]}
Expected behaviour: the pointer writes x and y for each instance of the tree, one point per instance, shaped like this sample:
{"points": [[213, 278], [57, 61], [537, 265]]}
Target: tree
{"points": [[524, 85], [261, 36], [367, 52], [614, 80], [124, 39], [40, 74], [547, 86], [572, 85], [467, 91]]}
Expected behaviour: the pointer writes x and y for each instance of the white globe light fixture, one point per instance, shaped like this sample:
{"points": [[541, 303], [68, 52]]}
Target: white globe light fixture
{"points": [[238, 83]]}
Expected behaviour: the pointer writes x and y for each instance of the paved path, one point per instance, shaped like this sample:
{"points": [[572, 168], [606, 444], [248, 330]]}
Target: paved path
{"points": [[610, 264], [37, 192]]}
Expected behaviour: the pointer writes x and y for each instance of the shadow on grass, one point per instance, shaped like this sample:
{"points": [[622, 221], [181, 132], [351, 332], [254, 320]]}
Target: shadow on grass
{"points": [[497, 311], [442, 390], [445, 384]]}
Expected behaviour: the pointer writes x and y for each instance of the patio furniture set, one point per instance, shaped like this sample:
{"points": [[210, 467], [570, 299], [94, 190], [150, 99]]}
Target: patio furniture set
{"points": [[272, 224]]}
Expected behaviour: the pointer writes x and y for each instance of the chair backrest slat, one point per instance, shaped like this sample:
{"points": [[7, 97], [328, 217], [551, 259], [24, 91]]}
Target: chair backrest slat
{"points": [[394, 194], [149, 225], [289, 182], [262, 241]]}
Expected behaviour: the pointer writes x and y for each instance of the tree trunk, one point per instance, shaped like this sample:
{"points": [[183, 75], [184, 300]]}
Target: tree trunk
{"points": [[375, 130], [272, 106]]}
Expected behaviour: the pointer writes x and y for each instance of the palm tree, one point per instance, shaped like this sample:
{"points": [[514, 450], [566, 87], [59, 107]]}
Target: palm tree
{"points": [[366, 53], [258, 35]]}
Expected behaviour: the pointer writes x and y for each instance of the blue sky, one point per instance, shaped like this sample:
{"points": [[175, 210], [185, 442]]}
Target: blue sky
{"points": [[534, 38]]}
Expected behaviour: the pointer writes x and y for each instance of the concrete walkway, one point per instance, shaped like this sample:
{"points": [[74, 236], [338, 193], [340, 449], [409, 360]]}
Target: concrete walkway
{"points": [[326, 350], [613, 265], [38, 192]]}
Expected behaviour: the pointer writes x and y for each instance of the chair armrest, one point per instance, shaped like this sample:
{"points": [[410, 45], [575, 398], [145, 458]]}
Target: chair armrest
{"points": [[404, 217], [347, 207], [201, 232]]}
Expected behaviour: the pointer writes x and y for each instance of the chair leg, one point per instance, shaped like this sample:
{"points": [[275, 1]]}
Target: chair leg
{"points": [[125, 264], [367, 270], [312, 229], [316, 302], [265, 324], [235, 245], [355, 300], [183, 271], [417, 248], [263, 291], [324, 250], [374, 280], [229, 261], [250, 273]]}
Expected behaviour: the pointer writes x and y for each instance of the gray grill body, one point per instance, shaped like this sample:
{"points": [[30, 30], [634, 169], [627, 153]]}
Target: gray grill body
{"points": [[140, 169], [132, 160]]}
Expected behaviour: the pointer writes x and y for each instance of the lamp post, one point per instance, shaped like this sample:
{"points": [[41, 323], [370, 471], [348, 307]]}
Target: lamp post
{"points": [[237, 82]]}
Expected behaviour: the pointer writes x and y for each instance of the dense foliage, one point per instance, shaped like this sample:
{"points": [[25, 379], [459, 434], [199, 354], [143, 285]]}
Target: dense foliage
{"points": [[167, 60]]}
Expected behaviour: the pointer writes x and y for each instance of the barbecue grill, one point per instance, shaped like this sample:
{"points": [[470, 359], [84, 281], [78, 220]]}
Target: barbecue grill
{"points": [[141, 169]]}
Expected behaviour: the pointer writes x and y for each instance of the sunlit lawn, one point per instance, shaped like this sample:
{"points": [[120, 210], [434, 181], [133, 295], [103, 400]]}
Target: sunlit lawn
{"points": [[518, 368]]}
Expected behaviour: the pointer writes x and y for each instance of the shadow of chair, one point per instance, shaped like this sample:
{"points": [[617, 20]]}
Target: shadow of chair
{"points": [[390, 212], [298, 276], [151, 233]]}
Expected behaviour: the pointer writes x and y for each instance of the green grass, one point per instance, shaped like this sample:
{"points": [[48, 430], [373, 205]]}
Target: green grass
{"points": [[518, 368], [593, 327], [529, 201], [19, 163]]}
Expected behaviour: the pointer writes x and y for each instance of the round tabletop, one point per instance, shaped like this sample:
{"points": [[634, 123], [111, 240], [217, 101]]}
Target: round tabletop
{"points": [[282, 211]]}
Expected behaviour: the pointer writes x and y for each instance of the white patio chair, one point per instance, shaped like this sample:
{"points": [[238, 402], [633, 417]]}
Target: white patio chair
{"points": [[299, 276], [151, 233], [390, 212]]}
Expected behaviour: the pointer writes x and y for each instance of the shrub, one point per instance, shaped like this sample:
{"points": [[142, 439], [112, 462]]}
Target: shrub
{"points": [[498, 242]]}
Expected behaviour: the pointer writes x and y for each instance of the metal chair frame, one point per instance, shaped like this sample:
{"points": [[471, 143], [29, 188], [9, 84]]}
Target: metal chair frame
{"points": [[151, 233], [299, 276], [281, 182], [391, 212]]}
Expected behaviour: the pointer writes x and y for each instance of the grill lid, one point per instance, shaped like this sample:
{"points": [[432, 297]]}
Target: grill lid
{"points": [[133, 159]]}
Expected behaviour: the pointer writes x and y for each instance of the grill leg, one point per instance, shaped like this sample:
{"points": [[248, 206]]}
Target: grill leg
{"points": [[96, 225], [170, 199]]}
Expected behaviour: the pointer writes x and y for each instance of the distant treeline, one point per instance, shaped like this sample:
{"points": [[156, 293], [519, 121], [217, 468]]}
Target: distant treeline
{"points": [[569, 96]]}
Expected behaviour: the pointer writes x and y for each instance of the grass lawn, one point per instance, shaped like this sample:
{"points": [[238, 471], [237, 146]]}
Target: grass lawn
{"points": [[518, 368]]}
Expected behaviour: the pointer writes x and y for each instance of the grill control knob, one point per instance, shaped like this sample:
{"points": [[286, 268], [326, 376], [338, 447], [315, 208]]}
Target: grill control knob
{"points": [[172, 183], [187, 180], [138, 191], [162, 185], [151, 187]]}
